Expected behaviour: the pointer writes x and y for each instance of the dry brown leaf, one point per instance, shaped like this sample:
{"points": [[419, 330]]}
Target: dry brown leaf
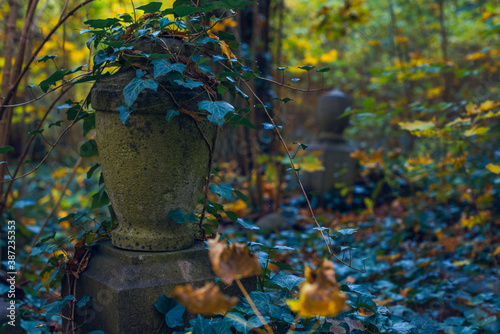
{"points": [[206, 300], [233, 262]]}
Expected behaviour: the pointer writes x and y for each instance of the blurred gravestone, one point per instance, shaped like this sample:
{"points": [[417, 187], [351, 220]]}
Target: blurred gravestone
{"points": [[334, 151]]}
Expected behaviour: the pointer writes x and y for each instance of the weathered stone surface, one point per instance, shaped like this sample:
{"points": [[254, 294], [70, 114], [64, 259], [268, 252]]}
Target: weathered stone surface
{"points": [[151, 167], [125, 285]]}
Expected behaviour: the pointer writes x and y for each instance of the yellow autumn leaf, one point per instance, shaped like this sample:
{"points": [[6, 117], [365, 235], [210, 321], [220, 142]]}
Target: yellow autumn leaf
{"points": [[224, 47], [45, 278], [476, 131], [434, 92], [206, 300], [401, 40], [493, 168], [416, 125], [310, 163], [310, 59], [488, 105], [329, 56], [421, 160], [475, 56], [497, 251], [459, 120], [461, 263], [320, 294]]}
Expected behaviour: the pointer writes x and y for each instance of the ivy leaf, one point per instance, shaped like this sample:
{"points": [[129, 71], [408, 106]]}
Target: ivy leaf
{"points": [[102, 24], [202, 326], [402, 327], [83, 301], [92, 170], [217, 58], [6, 149], [172, 310], [58, 305], [182, 11], [206, 68], [51, 81], [231, 215], [231, 4], [324, 69], [125, 112], [225, 36], [223, 189], [238, 322], [241, 195], [58, 124], [161, 67], [307, 68], [101, 57], [178, 67], [171, 114], [55, 77], [181, 217], [359, 289], [346, 231], [137, 85], [43, 248], [89, 149], [45, 58], [100, 198], [269, 126], [206, 39], [164, 22], [247, 224], [218, 110], [191, 84], [151, 7], [288, 282]]}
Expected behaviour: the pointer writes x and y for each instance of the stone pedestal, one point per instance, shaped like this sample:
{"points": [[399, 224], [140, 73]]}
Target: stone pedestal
{"points": [[151, 167], [339, 166], [124, 286], [335, 151]]}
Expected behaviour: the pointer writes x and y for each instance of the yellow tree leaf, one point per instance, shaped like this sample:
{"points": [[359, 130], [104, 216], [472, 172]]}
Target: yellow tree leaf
{"points": [[224, 47], [416, 125], [206, 300], [476, 131], [493, 168], [320, 294]]}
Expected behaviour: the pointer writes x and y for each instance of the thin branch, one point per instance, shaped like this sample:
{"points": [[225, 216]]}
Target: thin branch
{"points": [[27, 148], [298, 180], [13, 88]]}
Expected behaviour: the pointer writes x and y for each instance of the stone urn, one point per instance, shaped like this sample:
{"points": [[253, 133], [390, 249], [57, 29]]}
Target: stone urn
{"points": [[330, 107], [151, 166]]}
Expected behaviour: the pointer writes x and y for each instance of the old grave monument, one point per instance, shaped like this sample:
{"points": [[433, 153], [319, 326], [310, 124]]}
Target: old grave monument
{"points": [[334, 151], [151, 167]]}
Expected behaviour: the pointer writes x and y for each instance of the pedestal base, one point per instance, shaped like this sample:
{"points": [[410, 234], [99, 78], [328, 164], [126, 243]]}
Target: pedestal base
{"points": [[339, 167], [125, 285]]}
